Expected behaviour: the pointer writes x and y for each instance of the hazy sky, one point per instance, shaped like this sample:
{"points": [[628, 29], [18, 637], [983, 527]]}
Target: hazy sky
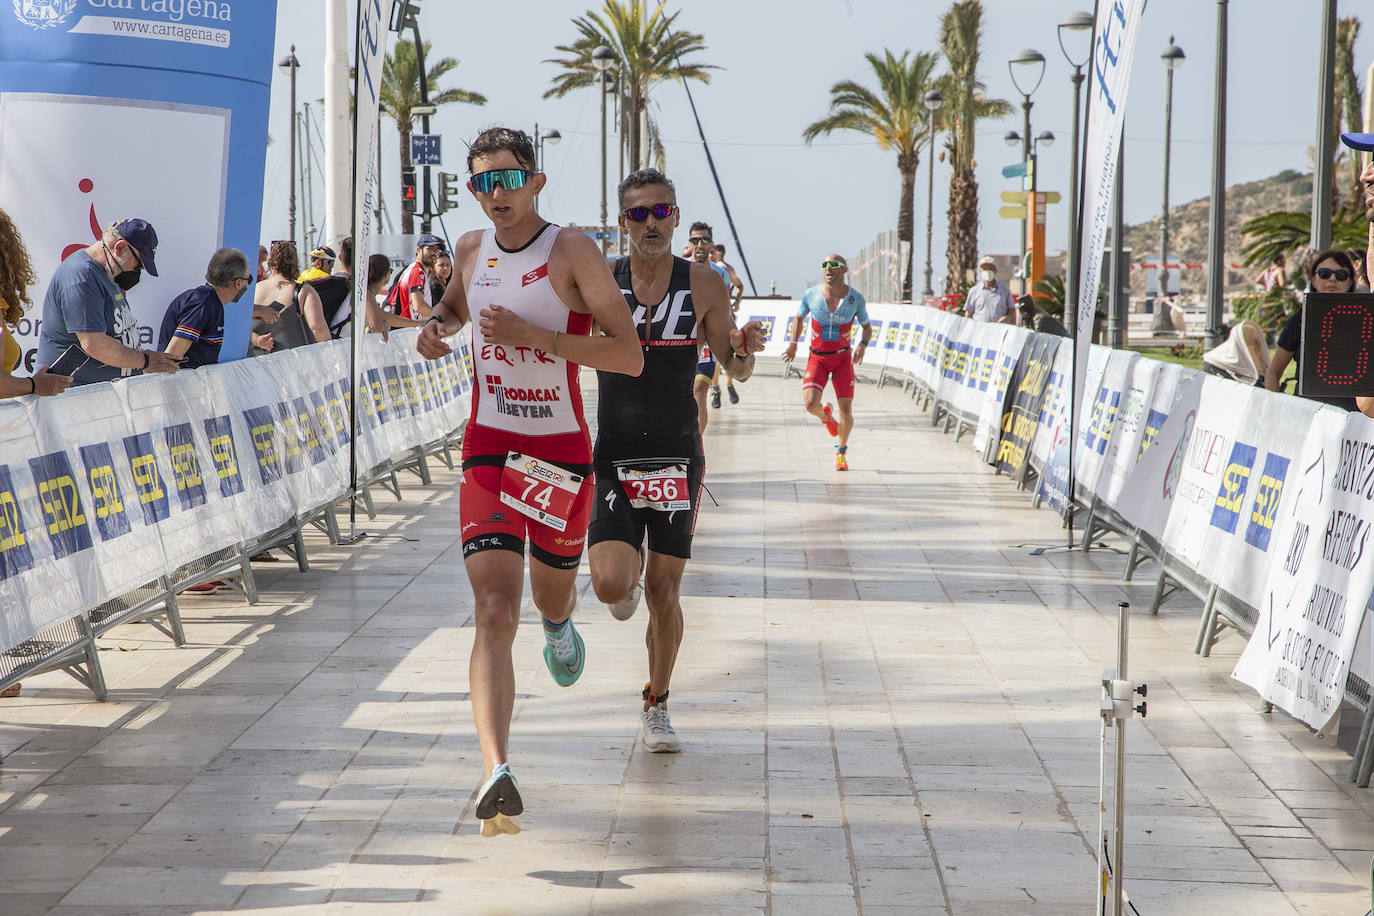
{"points": [[792, 202]]}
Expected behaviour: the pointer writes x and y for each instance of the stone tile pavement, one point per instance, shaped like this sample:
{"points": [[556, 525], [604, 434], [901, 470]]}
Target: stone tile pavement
{"points": [[888, 706]]}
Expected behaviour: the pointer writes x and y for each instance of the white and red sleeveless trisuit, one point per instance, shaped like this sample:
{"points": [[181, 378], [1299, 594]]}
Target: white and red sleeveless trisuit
{"points": [[524, 399]]}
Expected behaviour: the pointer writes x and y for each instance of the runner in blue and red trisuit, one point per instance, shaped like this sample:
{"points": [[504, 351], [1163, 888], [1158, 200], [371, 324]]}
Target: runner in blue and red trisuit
{"points": [[833, 308]]}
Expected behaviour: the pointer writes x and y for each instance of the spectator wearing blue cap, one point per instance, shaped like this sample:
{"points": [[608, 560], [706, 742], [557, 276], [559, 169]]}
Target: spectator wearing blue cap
{"points": [[411, 297], [86, 306]]}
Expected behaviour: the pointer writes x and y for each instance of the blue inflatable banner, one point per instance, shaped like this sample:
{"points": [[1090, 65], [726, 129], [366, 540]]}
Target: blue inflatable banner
{"points": [[156, 109]]}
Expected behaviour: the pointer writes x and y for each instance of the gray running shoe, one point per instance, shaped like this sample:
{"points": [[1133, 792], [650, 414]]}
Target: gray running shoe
{"points": [[734, 395], [659, 737], [625, 608]]}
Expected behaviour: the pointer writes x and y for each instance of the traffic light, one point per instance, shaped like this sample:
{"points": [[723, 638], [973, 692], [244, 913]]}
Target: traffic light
{"points": [[449, 184], [408, 195]]}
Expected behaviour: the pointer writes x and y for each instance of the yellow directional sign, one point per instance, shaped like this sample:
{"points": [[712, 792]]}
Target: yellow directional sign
{"points": [[1051, 197], [1014, 197], [1012, 212]]}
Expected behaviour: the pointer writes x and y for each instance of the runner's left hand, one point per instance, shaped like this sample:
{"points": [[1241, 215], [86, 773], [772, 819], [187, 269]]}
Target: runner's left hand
{"points": [[499, 325], [859, 352]]}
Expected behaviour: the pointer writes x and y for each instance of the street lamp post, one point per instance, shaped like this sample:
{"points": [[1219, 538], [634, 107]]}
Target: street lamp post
{"points": [[1029, 61], [290, 65], [601, 59], [551, 137], [1074, 22], [934, 101], [1216, 222], [1172, 58]]}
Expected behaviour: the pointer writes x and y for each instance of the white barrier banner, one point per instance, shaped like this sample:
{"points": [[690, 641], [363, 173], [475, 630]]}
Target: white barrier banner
{"points": [[1050, 450], [1096, 433], [1123, 446], [1236, 551], [1148, 494], [1320, 577], [1208, 453], [112, 486], [988, 434]]}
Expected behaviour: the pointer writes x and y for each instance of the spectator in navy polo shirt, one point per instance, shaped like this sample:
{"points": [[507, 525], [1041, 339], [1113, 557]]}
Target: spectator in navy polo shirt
{"points": [[193, 327]]}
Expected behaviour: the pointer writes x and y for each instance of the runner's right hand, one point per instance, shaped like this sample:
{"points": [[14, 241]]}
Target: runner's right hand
{"points": [[790, 353], [430, 343], [158, 361]]}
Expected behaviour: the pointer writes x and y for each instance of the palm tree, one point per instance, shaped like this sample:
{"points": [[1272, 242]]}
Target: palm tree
{"points": [[401, 93], [895, 116], [1348, 106], [1290, 233], [965, 104], [647, 51]]}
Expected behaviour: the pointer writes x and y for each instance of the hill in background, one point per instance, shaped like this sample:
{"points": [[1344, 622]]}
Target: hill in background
{"points": [[1288, 190]]}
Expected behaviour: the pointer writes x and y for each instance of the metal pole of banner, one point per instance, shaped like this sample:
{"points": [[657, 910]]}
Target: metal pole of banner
{"points": [[739, 243], [1073, 293], [1117, 303], [1216, 222], [362, 229], [427, 216]]}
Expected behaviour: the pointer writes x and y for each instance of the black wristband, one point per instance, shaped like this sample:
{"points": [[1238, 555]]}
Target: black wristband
{"points": [[146, 357], [740, 356], [33, 385], [435, 318]]}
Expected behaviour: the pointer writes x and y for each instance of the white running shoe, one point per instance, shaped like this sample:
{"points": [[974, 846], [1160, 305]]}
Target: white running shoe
{"points": [[625, 608], [659, 737]]}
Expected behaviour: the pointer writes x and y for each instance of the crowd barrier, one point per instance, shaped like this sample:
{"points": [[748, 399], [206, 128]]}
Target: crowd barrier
{"points": [[115, 497], [1258, 503]]}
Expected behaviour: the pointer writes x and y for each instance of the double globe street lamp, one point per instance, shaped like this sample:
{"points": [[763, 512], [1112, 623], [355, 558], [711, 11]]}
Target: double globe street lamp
{"points": [[1031, 64], [1074, 23]]}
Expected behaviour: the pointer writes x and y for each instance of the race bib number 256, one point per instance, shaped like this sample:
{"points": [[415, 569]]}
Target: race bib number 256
{"points": [[545, 492], [664, 490]]}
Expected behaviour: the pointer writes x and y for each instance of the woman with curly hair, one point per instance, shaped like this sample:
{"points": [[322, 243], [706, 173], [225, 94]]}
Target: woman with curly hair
{"points": [[16, 276]]}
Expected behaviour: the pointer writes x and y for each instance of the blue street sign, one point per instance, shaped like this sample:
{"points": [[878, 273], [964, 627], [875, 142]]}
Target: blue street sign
{"points": [[1014, 171], [424, 149]]}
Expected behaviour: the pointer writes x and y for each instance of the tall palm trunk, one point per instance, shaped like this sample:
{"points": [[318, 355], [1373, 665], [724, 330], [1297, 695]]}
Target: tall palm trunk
{"points": [[407, 218], [963, 229], [906, 218]]}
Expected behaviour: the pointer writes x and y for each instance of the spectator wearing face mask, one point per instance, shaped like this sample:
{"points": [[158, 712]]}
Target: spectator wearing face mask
{"points": [[990, 300], [193, 326], [86, 306]]}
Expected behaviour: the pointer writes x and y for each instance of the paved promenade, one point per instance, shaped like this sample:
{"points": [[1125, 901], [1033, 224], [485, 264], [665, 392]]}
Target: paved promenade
{"points": [[887, 707]]}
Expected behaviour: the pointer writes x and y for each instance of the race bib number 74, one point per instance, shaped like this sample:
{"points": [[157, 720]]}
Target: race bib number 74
{"points": [[545, 492], [664, 489]]}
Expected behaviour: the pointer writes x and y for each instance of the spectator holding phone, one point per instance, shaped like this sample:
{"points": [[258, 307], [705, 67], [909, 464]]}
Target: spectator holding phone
{"points": [[16, 275], [86, 306], [193, 326]]}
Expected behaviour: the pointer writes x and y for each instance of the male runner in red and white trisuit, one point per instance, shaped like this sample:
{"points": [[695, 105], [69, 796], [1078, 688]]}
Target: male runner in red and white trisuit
{"points": [[649, 458], [527, 455]]}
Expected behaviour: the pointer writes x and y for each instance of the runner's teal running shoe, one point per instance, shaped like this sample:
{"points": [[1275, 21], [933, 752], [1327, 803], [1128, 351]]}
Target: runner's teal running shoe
{"points": [[564, 652], [498, 802], [500, 794]]}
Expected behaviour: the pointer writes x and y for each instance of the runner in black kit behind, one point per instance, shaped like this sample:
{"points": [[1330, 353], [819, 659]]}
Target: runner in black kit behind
{"points": [[648, 457]]}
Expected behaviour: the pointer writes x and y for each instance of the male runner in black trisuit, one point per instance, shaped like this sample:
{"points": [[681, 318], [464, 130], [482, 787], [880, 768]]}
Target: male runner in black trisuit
{"points": [[648, 457]]}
